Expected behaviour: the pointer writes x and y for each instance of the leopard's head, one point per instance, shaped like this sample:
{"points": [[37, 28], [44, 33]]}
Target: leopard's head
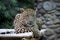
{"points": [[29, 15]]}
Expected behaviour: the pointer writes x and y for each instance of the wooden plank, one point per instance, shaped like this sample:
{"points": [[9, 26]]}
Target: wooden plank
{"points": [[26, 34], [7, 30], [29, 34]]}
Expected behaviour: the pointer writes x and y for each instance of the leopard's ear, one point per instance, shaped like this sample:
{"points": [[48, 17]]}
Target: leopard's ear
{"points": [[21, 10]]}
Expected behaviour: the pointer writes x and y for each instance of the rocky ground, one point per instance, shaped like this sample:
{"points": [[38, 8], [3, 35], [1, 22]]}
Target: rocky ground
{"points": [[50, 18]]}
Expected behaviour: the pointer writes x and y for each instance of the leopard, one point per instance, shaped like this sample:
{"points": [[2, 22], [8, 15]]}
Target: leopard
{"points": [[26, 21]]}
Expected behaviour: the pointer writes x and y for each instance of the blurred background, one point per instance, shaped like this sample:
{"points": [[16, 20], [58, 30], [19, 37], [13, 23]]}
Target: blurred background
{"points": [[9, 8]]}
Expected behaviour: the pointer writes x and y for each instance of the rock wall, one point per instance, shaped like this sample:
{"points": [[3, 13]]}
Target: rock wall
{"points": [[49, 13]]}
